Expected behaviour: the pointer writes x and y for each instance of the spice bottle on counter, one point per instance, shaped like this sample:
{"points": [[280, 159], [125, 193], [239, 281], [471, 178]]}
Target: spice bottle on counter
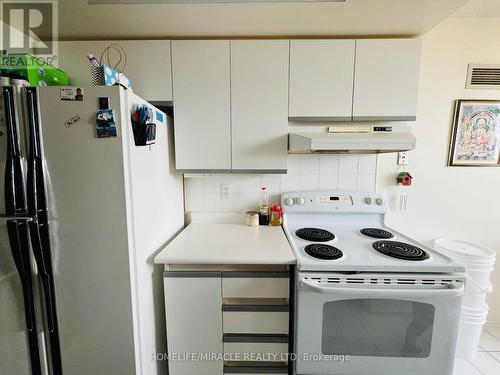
{"points": [[275, 217], [264, 207]]}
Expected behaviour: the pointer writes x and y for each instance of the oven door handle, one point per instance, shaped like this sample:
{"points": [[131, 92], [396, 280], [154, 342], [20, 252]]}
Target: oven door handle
{"points": [[453, 289]]}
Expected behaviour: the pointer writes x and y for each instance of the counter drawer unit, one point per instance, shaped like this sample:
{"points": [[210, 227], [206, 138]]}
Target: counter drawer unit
{"points": [[255, 284], [255, 319], [265, 347]]}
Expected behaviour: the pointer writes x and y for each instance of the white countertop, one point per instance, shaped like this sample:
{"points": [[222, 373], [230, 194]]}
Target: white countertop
{"points": [[204, 243]]}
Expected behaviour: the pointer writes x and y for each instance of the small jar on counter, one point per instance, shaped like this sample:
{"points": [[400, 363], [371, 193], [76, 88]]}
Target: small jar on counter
{"points": [[252, 218], [275, 217]]}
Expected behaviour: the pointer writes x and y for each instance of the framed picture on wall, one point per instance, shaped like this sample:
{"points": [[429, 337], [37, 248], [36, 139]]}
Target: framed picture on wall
{"points": [[475, 137]]}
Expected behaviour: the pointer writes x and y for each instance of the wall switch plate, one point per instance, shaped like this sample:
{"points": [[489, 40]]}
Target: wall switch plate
{"points": [[403, 158], [225, 191]]}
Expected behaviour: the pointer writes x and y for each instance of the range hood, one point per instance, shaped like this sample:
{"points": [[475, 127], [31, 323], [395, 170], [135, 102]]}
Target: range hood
{"points": [[372, 142]]}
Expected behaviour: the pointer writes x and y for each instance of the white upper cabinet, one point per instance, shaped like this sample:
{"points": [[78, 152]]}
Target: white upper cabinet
{"points": [[202, 119], [259, 105], [321, 79], [148, 64], [386, 79]]}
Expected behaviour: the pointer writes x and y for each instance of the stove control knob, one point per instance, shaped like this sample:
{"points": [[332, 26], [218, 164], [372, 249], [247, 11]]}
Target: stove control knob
{"points": [[289, 201], [380, 201], [300, 201], [369, 200]]}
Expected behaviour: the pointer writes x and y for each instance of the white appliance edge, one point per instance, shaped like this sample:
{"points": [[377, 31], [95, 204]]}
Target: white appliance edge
{"points": [[152, 227]]}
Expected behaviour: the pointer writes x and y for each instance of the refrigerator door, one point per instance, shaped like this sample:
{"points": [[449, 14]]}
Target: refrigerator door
{"points": [[19, 341], [86, 202]]}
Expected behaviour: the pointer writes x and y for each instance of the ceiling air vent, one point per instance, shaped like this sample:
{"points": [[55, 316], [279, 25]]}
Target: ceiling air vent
{"points": [[482, 76]]}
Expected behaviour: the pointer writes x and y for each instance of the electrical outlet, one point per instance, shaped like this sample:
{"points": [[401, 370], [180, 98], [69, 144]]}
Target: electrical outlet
{"points": [[225, 191], [403, 202], [403, 158]]}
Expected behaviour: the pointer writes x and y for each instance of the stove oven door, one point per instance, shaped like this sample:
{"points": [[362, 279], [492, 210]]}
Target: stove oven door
{"points": [[368, 328]]}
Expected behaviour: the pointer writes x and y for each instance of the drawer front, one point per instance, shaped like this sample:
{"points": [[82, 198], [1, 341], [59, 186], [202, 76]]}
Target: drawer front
{"points": [[255, 322], [252, 369], [258, 351], [255, 285], [258, 371]]}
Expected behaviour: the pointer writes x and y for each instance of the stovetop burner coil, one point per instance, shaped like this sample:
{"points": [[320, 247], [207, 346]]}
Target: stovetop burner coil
{"points": [[323, 251], [377, 233], [315, 234], [400, 250]]}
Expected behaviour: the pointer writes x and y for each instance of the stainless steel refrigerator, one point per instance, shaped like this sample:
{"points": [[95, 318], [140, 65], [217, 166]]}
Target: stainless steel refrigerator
{"points": [[81, 217]]}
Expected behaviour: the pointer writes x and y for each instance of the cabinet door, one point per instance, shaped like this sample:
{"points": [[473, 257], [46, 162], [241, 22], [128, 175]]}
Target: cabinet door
{"points": [[148, 65], [194, 321], [202, 120], [386, 79], [321, 79], [259, 105]]}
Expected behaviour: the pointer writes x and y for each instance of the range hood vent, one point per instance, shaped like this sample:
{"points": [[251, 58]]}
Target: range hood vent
{"points": [[305, 143], [481, 76]]}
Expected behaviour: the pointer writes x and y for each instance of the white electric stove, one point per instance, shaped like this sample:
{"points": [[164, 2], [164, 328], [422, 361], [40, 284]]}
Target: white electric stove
{"points": [[368, 299], [336, 231]]}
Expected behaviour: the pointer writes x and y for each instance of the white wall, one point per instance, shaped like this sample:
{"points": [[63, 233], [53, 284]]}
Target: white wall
{"points": [[456, 202], [305, 172]]}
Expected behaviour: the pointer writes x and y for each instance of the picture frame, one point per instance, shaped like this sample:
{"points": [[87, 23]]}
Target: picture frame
{"points": [[475, 134]]}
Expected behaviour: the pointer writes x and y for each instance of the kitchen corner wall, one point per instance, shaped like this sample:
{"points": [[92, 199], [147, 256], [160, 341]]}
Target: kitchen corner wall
{"points": [[454, 202], [305, 173]]}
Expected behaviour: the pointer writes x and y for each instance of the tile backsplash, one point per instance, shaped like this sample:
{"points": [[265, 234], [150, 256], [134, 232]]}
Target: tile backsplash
{"points": [[305, 172]]}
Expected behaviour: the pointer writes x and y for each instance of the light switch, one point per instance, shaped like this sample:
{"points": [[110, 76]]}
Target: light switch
{"points": [[403, 158]]}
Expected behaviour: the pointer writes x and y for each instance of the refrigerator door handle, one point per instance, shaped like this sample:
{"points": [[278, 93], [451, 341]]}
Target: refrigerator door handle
{"points": [[39, 229], [44, 269], [14, 186], [4, 218], [19, 243], [36, 187], [43, 260], [37, 208]]}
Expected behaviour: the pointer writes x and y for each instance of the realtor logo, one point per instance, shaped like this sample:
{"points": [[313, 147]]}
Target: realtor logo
{"points": [[29, 27]]}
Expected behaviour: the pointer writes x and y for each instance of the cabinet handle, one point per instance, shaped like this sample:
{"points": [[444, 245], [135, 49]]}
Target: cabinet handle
{"points": [[253, 338], [242, 275], [193, 274], [255, 308]]}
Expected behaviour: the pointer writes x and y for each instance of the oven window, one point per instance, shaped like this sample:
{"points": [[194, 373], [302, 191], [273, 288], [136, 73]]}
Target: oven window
{"points": [[377, 327]]}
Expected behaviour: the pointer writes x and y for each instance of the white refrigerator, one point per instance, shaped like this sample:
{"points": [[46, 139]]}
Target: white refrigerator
{"points": [[81, 219]]}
